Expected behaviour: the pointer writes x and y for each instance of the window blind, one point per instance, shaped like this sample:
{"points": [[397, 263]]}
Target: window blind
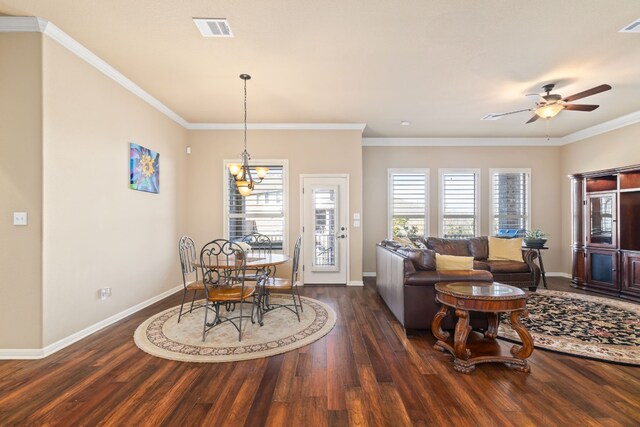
{"points": [[262, 211], [459, 204], [408, 203], [510, 200]]}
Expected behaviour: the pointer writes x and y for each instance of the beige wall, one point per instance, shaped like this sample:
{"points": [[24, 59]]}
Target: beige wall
{"points": [[20, 190], [617, 148], [308, 152], [544, 163], [97, 232]]}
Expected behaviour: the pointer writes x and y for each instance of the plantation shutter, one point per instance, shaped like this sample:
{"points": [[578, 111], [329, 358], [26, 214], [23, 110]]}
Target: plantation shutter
{"points": [[510, 201], [408, 203], [459, 204], [262, 211]]}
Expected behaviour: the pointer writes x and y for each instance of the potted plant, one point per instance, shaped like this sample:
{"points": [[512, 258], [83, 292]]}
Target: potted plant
{"points": [[535, 238]]}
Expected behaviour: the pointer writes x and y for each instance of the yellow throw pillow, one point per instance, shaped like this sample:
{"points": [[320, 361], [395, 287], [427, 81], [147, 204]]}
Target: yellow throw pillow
{"points": [[505, 249], [404, 241], [453, 262]]}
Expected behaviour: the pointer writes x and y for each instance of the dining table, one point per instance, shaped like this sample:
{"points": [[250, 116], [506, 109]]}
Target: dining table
{"points": [[261, 263]]}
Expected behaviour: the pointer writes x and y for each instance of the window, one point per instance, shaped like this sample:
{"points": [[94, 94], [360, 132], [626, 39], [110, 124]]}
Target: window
{"points": [[263, 211], [510, 199], [459, 207], [408, 197]]}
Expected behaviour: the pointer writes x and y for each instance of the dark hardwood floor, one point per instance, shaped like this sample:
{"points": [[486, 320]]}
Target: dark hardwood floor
{"points": [[364, 372]]}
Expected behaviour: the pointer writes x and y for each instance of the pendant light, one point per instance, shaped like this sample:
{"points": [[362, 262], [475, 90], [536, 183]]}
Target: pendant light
{"points": [[240, 171]]}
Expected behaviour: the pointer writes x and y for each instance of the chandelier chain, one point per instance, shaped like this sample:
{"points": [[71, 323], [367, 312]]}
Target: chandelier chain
{"points": [[245, 115]]}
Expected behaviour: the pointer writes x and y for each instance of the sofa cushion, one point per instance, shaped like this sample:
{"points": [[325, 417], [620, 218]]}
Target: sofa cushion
{"points": [[505, 249], [508, 267], [481, 265], [422, 259], [430, 278], [404, 241], [458, 247], [479, 247], [453, 262], [419, 242]]}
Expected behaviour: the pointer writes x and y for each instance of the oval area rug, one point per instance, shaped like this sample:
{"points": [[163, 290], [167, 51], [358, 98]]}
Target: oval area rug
{"points": [[582, 325], [161, 335]]}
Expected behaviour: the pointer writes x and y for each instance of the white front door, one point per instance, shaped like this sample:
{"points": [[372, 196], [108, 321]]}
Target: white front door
{"points": [[325, 235]]}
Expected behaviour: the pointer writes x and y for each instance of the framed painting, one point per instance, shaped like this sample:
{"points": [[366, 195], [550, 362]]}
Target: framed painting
{"points": [[144, 169]]}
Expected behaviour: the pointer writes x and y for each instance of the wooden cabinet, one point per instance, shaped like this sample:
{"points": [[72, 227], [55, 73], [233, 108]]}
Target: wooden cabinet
{"points": [[631, 275], [602, 270], [606, 231]]}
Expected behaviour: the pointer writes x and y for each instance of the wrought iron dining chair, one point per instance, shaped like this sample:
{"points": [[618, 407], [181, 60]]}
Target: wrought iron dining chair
{"points": [[270, 284], [261, 246], [223, 276], [187, 251]]}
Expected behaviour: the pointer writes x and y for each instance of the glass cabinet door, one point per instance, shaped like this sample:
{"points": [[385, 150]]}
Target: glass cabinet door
{"points": [[601, 220]]}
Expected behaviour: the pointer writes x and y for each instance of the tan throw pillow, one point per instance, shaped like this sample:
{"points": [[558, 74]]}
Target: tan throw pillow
{"points": [[404, 241], [453, 262], [505, 249]]}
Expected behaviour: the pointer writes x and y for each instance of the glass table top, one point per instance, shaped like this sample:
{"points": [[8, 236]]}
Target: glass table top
{"points": [[474, 289]]}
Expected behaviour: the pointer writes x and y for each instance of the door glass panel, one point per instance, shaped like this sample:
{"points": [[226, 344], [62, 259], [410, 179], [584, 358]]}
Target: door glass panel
{"points": [[601, 221], [601, 268], [324, 208]]}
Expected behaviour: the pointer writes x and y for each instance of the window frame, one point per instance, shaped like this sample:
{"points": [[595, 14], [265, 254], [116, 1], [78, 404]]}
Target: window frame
{"points": [[492, 217], [390, 173], [285, 197], [441, 173]]}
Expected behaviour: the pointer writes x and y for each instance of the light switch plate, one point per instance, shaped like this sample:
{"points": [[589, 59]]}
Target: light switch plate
{"points": [[356, 215], [19, 218]]}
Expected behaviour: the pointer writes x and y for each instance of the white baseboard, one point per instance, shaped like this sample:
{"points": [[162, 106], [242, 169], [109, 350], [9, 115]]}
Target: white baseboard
{"points": [[355, 283], [369, 274], [558, 274], [39, 353]]}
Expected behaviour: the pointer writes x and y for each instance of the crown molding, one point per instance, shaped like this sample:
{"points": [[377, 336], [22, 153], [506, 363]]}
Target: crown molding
{"points": [[19, 24], [614, 124], [277, 126], [34, 24], [458, 142]]}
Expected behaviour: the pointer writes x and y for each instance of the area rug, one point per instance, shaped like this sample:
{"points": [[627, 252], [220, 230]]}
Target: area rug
{"points": [[162, 335], [582, 325]]}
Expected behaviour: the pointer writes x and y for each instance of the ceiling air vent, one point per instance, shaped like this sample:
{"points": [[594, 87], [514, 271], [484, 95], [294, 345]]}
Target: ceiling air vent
{"points": [[634, 27], [213, 27]]}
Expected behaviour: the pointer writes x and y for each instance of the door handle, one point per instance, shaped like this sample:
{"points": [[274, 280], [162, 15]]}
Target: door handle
{"points": [[341, 236]]}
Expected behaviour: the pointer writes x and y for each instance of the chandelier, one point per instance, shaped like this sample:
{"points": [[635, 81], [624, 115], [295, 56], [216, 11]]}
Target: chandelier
{"points": [[240, 171]]}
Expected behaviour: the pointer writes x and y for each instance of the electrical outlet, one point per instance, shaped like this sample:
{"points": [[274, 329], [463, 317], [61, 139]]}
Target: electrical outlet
{"points": [[19, 218], [104, 293]]}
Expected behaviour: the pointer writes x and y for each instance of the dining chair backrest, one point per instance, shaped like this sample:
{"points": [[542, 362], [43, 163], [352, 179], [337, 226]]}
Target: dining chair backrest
{"points": [[260, 243], [220, 264], [296, 261], [187, 251]]}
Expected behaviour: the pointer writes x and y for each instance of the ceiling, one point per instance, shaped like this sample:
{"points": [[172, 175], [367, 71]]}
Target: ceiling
{"points": [[441, 65]]}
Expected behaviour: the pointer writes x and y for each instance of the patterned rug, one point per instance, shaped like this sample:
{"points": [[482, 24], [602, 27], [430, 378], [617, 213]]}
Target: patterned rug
{"points": [[582, 325], [162, 335]]}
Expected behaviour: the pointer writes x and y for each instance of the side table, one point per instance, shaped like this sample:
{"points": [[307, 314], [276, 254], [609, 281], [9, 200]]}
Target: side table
{"points": [[542, 272], [493, 299]]}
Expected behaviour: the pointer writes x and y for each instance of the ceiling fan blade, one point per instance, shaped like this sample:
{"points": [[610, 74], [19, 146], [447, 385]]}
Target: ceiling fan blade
{"points": [[533, 119], [510, 112], [580, 107], [588, 92]]}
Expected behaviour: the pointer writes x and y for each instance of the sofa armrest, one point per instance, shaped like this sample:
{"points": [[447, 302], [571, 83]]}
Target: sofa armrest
{"points": [[391, 269], [529, 257]]}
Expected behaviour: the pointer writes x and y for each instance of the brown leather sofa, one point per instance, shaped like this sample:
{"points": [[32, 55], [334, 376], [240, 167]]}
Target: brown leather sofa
{"points": [[405, 277]]}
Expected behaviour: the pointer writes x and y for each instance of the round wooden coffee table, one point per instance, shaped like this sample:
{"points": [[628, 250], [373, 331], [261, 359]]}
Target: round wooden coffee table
{"points": [[491, 298]]}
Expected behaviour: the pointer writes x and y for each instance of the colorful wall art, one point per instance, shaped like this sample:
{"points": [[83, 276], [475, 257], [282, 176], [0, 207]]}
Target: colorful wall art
{"points": [[144, 169]]}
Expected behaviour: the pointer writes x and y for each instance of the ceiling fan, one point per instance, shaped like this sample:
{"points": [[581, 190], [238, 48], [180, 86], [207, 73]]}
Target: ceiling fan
{"points": [[550, 104]]}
